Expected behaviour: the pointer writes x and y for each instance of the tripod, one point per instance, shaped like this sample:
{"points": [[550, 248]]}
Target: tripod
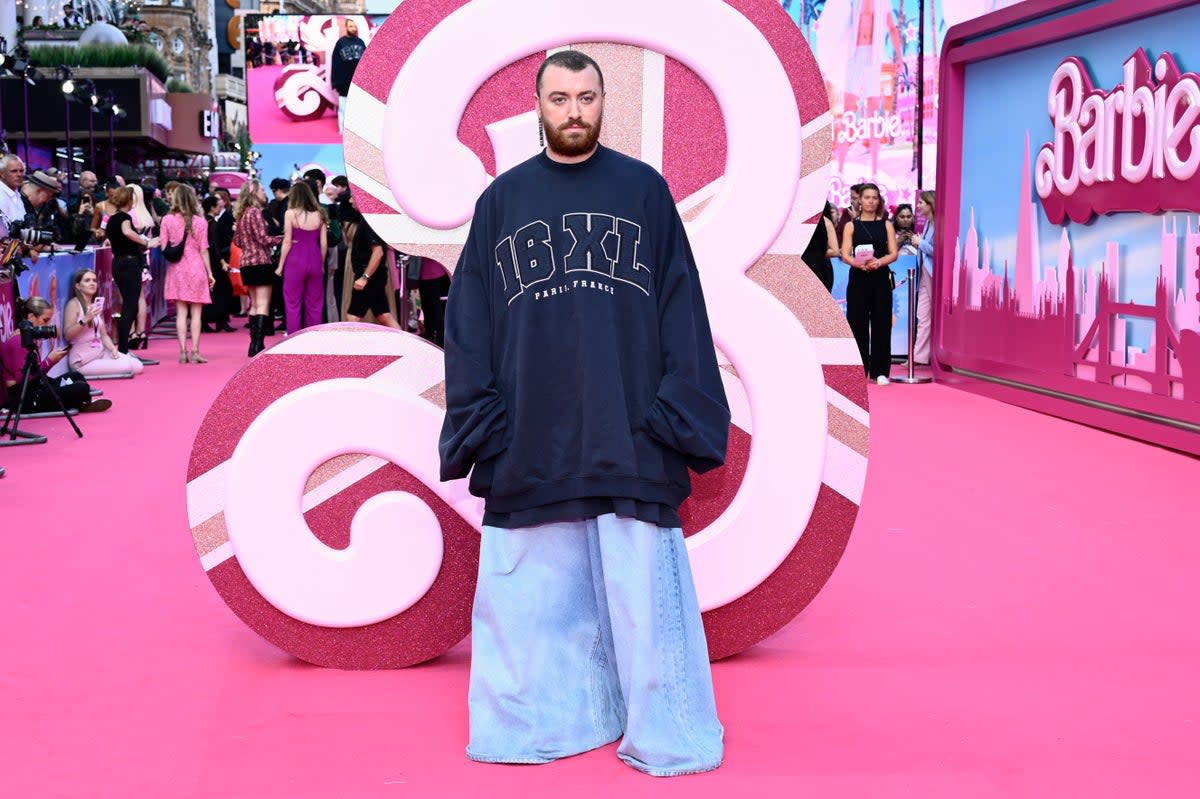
{"points": [[33, 371]]}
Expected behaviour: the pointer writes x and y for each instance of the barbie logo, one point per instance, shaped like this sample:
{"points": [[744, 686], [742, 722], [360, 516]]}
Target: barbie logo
{"points": [[1135, 148]]}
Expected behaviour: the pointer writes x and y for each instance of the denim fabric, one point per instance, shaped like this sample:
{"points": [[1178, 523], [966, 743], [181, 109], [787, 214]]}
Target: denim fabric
{"points": [[584, 631]]}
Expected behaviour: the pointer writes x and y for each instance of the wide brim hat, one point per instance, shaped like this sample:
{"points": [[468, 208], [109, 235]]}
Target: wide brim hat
{"points": [[45, 181]]}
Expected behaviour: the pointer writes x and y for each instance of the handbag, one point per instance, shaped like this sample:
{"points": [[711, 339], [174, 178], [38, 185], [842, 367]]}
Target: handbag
{"points": [[235, 272], [174, 252]]}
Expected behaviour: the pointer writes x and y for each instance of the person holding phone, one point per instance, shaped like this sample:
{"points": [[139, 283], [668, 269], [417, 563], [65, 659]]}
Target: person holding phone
{"points": [[868, 247], [71, 387], [92, 350]]}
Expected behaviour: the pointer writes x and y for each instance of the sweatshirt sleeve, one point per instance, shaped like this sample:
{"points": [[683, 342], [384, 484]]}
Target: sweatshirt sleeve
{"points": [[690, 413], [475, 422]]}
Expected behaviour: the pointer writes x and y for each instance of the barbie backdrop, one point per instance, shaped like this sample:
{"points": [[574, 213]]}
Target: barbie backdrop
{"points": [[1069, 264]]}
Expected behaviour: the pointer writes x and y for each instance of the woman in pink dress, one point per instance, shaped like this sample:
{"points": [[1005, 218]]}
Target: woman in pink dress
{"points": [[190, 281], [302, 259]]}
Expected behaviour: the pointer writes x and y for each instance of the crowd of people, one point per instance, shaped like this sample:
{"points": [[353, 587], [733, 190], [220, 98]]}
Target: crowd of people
{"points": [[868, 240], [296, 257]]}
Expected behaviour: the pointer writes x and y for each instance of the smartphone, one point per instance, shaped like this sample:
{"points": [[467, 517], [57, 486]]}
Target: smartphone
{"points": [[98, 303]]}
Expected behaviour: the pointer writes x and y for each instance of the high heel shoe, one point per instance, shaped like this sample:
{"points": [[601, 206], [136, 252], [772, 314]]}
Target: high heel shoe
{"points": [[196, 357], [183, 355]]}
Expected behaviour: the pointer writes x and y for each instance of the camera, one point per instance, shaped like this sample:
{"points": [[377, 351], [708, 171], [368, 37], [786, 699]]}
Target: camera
{"points": [[27, 231], [31, 333]]}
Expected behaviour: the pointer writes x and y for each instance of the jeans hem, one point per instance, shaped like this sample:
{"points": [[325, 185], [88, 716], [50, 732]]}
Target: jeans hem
{"points": [[540, 759], [637, 765]]}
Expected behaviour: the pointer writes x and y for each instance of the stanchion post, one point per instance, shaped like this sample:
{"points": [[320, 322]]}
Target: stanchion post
{"points": [[911, 377]]}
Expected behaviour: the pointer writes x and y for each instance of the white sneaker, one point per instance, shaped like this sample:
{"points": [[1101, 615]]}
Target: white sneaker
{"points": [[881, 380]]}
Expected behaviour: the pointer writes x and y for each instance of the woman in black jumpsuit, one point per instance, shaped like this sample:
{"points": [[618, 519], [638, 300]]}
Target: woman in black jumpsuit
{"points": [[869, 246]]}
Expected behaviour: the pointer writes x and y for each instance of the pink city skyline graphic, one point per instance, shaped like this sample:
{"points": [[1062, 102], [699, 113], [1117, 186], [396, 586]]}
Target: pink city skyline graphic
{"points": [[1065, 320]]}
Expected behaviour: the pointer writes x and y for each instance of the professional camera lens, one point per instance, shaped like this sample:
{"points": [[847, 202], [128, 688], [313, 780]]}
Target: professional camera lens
{"points": [[37, 236], [31, 333]]}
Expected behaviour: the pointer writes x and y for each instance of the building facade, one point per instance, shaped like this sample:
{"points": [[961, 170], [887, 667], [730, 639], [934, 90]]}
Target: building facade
{"points": [[182, 31]]}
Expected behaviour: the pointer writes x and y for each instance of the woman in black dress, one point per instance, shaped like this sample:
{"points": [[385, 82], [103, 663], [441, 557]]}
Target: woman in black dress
{"points": [[129, 259], [868, 247], [369, 264]]}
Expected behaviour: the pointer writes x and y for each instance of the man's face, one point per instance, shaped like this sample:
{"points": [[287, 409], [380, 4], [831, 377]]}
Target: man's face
{"points": [[37, 195], [87, 181], [351, 28], [571, 107], [14, 173]]}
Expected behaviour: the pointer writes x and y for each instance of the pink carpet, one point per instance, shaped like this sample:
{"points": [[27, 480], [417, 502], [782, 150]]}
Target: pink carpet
{"points": [[1015, 616]]}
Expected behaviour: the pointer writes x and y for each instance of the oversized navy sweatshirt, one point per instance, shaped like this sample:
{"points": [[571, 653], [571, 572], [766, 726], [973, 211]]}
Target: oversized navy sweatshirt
{"points": [[580, 372]]}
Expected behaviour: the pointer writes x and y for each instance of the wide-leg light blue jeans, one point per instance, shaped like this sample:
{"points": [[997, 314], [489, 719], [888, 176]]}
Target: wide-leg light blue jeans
{"points": [[584, 631]]}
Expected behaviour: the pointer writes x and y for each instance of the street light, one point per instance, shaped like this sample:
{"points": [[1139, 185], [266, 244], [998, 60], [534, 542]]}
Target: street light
{"points": [[68, 90]]}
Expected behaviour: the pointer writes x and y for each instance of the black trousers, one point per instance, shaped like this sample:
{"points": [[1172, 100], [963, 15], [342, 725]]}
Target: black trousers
{"points": [[869, 312], [434, 307], [75, 394], [217, 312], [127, 274]]}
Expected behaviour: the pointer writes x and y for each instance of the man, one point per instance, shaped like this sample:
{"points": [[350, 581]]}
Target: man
{"points": [[71, 17], [12, 176], [38, 196], [87, 188], [347, 52], [277, 207], [581, 383], [316, 179], [220, 248]]}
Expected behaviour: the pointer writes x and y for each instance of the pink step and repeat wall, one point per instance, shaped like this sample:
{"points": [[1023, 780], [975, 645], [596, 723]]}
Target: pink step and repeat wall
{"points": [[1068, 268]]}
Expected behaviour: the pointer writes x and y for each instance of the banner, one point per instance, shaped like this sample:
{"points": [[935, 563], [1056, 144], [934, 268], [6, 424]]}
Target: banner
{"points": [[868, 51]]}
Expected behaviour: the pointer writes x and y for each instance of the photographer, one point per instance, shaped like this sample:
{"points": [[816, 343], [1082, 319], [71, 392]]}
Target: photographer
{"points": [[38, 195], [35, 314]]}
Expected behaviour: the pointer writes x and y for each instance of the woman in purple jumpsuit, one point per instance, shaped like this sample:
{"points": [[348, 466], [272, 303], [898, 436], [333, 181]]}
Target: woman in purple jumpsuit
{"points": [[302, 259]]}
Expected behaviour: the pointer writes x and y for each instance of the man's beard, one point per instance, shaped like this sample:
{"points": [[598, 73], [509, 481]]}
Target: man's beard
{"points": [[572, 146]]}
